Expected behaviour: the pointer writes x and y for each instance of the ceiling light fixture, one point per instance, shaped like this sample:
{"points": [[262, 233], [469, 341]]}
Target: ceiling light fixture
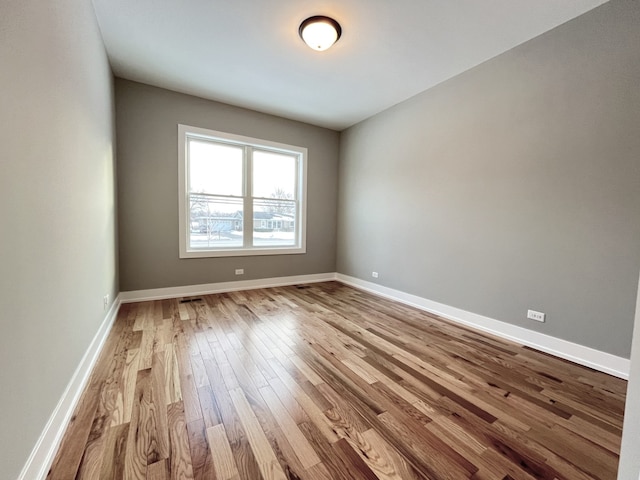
{"points": [[320, 32]]}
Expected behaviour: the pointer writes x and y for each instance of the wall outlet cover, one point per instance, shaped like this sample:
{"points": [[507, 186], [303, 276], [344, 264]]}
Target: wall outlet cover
{"points": [[537, 316]]}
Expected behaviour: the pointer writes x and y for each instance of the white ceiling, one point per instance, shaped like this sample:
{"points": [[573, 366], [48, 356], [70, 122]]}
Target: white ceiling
{"points": [[248, 52]]}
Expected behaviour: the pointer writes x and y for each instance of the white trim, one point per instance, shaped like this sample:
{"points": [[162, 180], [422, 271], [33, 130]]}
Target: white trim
{"points": [[590, 357], [249, 145], [182, 189], [46, 447], [243, 252], [208, 288]]}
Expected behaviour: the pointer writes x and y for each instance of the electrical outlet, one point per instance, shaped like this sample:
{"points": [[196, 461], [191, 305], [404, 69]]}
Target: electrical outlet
{"points": [[537, 316], [105, 302], [374, 274], [239, 271]]}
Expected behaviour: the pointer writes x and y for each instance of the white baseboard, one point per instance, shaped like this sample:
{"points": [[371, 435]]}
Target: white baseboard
{"points": [[590, 357], [209, 288], [43, 453]]}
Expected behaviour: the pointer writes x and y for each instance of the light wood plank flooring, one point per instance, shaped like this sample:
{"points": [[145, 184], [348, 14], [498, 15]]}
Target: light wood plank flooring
{"points": [[328, 382]]}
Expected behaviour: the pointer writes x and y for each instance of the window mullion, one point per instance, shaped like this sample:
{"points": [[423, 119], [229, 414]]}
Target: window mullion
{"points": [[247, 227]]}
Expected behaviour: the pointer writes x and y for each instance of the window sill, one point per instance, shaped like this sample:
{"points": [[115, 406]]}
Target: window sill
{"points": [[244, 252]]}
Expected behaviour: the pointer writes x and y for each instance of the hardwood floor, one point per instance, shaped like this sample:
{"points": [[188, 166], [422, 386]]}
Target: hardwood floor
{"points": [[328, 382]]}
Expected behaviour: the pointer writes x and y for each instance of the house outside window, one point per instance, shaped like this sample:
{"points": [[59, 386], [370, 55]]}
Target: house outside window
{"points": [[239, 196]]}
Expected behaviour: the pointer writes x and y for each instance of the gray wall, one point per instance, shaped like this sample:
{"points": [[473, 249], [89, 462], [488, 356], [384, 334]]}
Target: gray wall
{"points": [[147, 119], [515, 185], [629, 468], [57, 212]]}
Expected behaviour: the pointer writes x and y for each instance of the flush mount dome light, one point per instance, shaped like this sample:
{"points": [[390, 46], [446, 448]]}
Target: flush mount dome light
{"points": [[320, 32]]}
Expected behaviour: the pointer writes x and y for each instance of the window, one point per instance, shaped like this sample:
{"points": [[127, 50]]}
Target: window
{"points": [[239, 196]]}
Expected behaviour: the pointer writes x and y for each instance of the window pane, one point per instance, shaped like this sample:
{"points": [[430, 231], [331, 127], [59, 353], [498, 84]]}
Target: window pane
{"points": [[215, 168], [274, 175], [215, 222], [274, 223]]}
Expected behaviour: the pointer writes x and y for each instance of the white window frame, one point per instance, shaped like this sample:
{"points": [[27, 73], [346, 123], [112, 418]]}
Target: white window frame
{"points": [[184, 217]]}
